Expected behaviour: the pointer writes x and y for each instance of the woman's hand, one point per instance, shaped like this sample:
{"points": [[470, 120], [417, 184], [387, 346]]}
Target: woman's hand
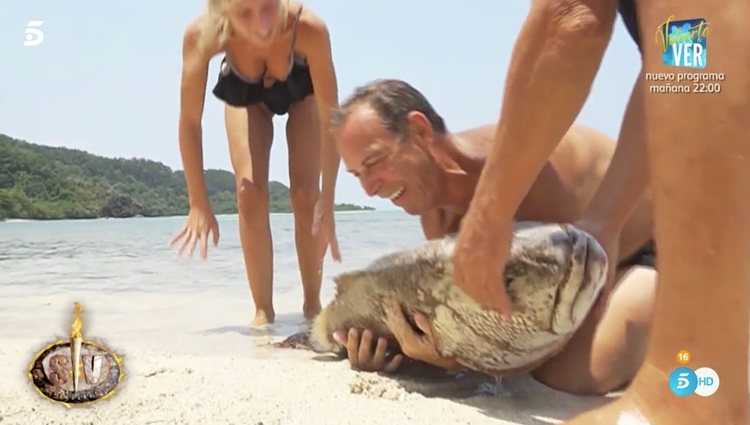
{"points": [[324, 224], [200, 222]]}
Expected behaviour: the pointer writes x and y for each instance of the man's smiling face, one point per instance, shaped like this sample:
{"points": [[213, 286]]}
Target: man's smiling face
{"points": [[387, 164]]}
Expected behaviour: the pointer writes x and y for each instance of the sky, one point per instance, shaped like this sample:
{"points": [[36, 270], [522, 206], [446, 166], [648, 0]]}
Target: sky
{"points": [[105, 79]]}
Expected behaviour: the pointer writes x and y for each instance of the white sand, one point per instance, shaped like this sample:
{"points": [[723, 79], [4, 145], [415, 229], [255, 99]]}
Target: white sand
{"points": [[193, 360]]}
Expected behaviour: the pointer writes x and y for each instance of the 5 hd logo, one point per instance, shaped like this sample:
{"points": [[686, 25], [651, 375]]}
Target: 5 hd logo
{"points": [[684, 381]]}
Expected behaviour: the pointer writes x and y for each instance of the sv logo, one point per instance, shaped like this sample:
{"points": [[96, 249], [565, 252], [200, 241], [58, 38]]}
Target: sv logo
{"points": [[34, 36]]}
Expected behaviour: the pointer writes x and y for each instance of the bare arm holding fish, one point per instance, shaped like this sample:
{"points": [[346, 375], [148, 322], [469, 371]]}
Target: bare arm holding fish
{"points": [[415, 346], [360, 353], [559, 72], [622, 187]]}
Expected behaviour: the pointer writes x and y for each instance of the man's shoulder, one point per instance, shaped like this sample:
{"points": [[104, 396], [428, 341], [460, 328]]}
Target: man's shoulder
{"points": [[579, 132], [479, 132], [584, 143], [477, 141]]}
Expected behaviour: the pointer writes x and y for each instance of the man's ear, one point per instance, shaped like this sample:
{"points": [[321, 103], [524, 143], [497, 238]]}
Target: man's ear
{"points": [[420, 129]]}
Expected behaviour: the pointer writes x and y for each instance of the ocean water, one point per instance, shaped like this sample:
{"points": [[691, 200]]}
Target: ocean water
{"points": [[134, 255]]}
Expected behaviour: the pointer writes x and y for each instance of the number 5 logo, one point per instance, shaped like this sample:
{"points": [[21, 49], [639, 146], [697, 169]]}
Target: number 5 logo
{"points": [[34, 36], [683, 381]]}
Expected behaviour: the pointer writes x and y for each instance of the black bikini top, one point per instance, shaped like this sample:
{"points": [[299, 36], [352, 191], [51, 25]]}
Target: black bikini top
{"points": [[236, 90], [296, 62]]}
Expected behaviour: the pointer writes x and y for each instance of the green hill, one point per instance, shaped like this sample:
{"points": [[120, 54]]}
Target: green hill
{"points": [[42, 182]]}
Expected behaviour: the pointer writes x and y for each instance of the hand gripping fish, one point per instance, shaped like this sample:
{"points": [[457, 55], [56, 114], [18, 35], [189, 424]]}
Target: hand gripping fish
{"points": [[553, 276]]}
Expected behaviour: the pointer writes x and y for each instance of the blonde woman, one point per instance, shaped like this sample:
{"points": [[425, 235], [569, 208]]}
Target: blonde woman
{"points": [[276, 60]]}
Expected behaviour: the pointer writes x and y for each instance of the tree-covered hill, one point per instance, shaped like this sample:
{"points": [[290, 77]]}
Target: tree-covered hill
{"points": [[43, 182]]}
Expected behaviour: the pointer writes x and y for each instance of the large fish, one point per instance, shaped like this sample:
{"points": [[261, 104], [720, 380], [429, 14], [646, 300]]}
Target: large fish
{"points": [[553, 276]]}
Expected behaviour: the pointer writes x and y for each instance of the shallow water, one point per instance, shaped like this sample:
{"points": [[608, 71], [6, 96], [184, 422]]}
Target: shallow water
{"points": [[133, 255]]}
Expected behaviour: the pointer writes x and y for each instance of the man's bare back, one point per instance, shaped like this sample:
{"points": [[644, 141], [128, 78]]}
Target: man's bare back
{"points": [[562, 191]]}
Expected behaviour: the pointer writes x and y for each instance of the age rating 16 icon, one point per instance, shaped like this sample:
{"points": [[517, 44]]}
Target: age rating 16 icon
{"points": [[685, 381]]}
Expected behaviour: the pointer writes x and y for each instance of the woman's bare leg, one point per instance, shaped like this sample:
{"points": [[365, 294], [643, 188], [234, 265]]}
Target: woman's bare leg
{"points": [[604, 356], [250, 133], [699, 157], [303, 137]]}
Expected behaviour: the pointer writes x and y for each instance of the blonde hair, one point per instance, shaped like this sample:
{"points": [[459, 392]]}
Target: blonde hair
{"points": [[215, 29]]}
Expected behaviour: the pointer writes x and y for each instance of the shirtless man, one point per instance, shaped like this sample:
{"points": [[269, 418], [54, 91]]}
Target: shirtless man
{"points": [[396, 144]]}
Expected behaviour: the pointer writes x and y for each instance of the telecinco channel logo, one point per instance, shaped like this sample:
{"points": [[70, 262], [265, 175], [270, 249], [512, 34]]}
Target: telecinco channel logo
{"points": [[684, 381]]}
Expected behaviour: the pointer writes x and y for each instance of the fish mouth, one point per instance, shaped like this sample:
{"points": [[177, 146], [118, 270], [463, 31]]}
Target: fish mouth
{"points": [[585, 281], [581, 282], [325, 345], [592, 276], [320, 338]]}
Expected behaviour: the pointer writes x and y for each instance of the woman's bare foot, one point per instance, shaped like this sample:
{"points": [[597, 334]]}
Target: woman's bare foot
{"points": [[262, 317], [311, 310], [649, 400]]}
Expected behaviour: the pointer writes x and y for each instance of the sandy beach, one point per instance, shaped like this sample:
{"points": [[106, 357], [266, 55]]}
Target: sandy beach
{"points": [[191, 359], [190, 355]]}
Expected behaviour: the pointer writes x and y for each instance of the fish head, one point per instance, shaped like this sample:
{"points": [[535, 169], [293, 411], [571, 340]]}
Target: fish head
{"points": [[321, 335], [353, 306], [555, 275]]}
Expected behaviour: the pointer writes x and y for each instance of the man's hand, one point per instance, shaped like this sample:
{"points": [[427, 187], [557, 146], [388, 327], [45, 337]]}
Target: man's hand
{"points": [[479, 261], [360, 353], [415, 346]]}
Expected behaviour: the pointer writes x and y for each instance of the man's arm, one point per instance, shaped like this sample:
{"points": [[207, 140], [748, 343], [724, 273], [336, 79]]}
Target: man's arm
{"points": [[553, 66], [554, 63], [620, 191], [627, 175]]}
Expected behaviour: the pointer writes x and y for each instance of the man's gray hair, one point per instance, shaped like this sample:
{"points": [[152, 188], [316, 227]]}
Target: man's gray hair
{"points": [[392, 100]]}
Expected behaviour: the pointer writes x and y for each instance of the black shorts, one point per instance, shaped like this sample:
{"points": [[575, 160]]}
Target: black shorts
{"points": [[630, 19], [646, 256]]}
